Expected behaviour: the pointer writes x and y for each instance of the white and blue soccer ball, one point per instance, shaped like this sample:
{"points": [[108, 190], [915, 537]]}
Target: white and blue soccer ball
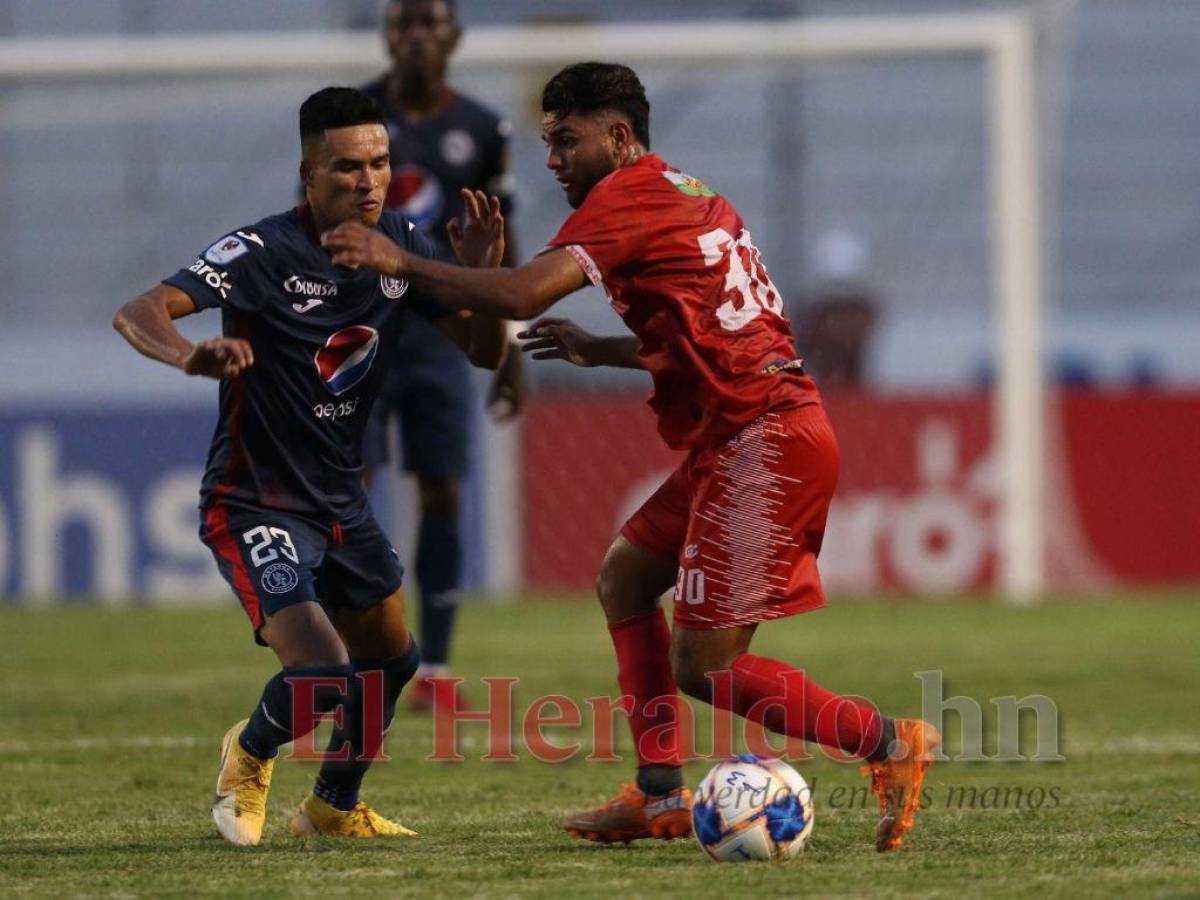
{"points": [[751, 807]]}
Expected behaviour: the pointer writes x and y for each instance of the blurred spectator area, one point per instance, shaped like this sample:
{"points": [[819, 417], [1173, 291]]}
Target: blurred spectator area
{"points": [[108, 186]]}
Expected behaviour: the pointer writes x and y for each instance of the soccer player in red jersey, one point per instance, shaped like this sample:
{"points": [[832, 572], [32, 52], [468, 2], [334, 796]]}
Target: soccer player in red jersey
{"points": [[738, 527]]}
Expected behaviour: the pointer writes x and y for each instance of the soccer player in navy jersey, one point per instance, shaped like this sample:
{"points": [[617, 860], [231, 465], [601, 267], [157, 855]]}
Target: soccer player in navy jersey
{"points": [[304, 350], [738, 526], [442, 141]]}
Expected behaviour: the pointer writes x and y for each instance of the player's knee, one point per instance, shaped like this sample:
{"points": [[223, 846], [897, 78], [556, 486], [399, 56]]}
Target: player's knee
{"points": [[617, 594], [606, 586], [302, 635], [310, 652], [695, 656]]}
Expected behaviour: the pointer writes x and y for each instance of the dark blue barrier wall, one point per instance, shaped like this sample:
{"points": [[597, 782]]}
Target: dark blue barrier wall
{"points": [[102, 503]]}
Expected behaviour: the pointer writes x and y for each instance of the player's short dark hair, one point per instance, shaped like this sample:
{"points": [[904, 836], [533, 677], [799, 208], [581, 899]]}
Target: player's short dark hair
{"points": [[336, 107], [451, 6], [589, 87]]}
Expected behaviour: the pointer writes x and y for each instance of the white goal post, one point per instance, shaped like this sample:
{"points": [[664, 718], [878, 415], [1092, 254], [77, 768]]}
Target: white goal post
{"points": [[1005, 41]]}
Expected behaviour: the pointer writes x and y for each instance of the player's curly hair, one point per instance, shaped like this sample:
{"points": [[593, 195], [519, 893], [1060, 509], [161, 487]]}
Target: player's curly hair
{"points": [[588, 87], [336, 107]]}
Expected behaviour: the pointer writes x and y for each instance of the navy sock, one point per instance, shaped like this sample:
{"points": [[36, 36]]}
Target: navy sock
{"points": [[339, 780], [657, 780], [270, 725], [439, 553]]}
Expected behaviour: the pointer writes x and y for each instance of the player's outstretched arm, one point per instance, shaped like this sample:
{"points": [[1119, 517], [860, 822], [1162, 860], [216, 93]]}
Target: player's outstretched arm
{"points": [[147, 323], [520, 293], [563, 339]]}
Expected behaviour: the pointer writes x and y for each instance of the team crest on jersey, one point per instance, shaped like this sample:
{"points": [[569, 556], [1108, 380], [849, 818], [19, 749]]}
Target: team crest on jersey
{"points": [[346, 357], [226, 250], [393, 288], [686, 184], [279, 578], [457, 147]]}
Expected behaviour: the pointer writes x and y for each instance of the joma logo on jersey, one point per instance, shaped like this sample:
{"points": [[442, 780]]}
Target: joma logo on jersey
{"points": [[297, 285], [346, 357], [216, 279]]}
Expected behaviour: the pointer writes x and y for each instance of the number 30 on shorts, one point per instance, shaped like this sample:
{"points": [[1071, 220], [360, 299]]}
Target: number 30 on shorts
{"points": [[261, 540], [689, 586]]}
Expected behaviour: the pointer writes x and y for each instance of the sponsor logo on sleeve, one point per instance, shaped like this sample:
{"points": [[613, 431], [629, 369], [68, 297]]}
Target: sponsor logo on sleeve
{"points": [[226, 250], [346, 358], [217, 279]]}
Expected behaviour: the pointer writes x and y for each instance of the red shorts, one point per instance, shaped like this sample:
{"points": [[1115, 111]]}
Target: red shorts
{"points": [[746, 520]]}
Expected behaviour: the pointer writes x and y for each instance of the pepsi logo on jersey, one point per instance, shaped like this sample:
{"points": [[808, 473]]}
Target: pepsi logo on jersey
{"points": [[417, 194], [346, 357]]}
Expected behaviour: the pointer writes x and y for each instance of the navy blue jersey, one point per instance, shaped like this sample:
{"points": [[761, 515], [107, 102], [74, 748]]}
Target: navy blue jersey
{"points": [[289, 433], [464, 145]]}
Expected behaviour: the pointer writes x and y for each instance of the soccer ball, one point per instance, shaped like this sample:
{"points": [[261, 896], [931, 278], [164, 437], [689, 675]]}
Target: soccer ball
{"points": [[751, 807]]}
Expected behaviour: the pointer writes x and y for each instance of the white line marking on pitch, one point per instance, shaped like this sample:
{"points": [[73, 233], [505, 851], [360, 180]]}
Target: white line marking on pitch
{"points": [[139, 742]]}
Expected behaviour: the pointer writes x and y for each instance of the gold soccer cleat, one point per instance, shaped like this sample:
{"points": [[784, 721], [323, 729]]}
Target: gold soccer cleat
{"points": [[240, 802], [316, 817]]}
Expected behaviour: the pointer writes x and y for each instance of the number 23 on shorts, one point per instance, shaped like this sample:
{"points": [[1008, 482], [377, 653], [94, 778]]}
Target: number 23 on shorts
{"points": [[261, 540]]}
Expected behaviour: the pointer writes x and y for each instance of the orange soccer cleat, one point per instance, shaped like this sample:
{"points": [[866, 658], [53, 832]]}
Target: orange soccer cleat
{"points": [[633, 814], [897, 780]]}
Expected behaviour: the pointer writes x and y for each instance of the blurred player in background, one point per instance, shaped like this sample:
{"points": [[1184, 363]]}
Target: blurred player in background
{"points": [[305, 351], [441, 143], [737, 528]]}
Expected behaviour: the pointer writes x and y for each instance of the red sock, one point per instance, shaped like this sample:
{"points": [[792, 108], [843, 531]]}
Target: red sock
{"points": [[787, 701], [643, 645]]}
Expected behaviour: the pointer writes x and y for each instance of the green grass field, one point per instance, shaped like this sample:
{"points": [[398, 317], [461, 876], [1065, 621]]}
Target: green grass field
{"points": [[112, 717]]}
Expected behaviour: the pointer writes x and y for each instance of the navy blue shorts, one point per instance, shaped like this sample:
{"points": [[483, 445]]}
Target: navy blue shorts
{"points": [[429, 392], [274, 559]]}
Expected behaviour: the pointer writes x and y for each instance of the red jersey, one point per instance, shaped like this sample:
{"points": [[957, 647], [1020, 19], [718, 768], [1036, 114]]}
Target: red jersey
{"points": [[680, 269]]}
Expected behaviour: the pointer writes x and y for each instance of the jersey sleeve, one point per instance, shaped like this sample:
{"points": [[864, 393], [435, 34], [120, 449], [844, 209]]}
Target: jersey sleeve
{"points": [[408, 236], [605, 232], [224, 275]]}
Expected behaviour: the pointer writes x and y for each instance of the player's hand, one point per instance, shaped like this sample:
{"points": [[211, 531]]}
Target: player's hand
{"points": [[507, 393], [353, 244], [478, 240], [558, 339], [219, 358]]}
